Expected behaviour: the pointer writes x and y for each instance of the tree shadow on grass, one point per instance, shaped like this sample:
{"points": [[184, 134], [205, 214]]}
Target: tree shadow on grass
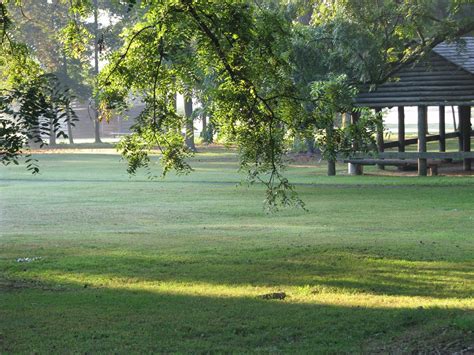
{"points": [[122, 321], [346, 272]]}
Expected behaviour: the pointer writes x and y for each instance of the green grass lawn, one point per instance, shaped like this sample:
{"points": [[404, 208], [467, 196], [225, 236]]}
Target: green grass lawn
{"points": [[377, 264]]}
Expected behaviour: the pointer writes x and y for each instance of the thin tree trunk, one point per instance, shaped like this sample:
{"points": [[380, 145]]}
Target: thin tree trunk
{"points": [[346, 120], [206, 133], [188, 112], [305, 19], [52, 134], [332, 161], [175, 102], [52, 129], [204, 126], [209, 132], [96, 72], [355, 169], [310, 145], [69, 125], [69, 131]]}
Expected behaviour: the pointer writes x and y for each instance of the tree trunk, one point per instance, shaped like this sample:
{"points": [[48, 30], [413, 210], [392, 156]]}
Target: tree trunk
{"points": [[52, 134], [332, 161], [310, 145], [188, 112], [305, 19], [175, 102], [346, 120], [204, 126], [207, 132], [355, 169], [69, 125], [96, 72], [69, 132], [331, 167]]}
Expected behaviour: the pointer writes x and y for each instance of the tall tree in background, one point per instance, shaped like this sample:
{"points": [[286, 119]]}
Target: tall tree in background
{"points": [[101, 21], [188, 113], [97, 39]]}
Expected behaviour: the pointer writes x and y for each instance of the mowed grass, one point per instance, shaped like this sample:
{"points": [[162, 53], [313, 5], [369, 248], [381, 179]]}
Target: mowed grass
{"points": [[377, 264]]}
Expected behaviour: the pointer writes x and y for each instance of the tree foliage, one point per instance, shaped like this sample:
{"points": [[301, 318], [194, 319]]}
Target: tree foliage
{"points": [[29, 112], [335, 96], [266, 69], [370, 40], [244, 48], [33, 104]]}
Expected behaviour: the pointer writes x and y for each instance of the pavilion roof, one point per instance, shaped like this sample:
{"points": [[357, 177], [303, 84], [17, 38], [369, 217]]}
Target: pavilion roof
{"points": [[461, 54], [444, 77]]}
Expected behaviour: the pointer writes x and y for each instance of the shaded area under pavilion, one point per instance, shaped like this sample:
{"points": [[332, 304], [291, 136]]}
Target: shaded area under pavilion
{"points": [[445, 77]]}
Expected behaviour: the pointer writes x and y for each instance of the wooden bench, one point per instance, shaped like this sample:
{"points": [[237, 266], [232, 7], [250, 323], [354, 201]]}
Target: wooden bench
{"points": [[404, 163]]}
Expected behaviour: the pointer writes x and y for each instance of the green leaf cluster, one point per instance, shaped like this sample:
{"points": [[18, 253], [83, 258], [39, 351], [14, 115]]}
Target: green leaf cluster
{"points": [[29, 112]]}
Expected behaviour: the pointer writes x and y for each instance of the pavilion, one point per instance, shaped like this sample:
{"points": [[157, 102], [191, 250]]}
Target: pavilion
{"points": [[445, 77]]}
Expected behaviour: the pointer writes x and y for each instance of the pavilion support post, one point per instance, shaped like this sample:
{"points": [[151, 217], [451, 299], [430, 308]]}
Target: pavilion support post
{"points": [[401, 132], [422, 163], [355, 169], [401, 129], [465, 124], [460, 129], [380, 142], [442, 129]]}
